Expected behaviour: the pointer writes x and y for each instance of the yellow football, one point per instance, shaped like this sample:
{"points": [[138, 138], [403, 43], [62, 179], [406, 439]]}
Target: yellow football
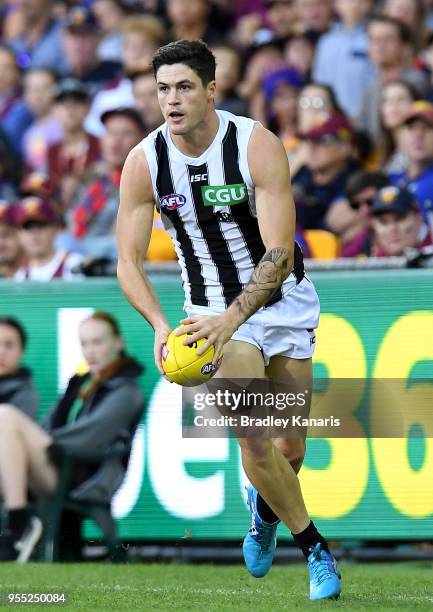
{"points": [[181, 363]]}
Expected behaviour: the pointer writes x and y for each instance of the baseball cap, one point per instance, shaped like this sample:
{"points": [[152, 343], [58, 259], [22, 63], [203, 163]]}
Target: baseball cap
{"points": [[286, 76], [332, 128], [8, 213], [71, 88], [37, 209], [394, 200], [36, 184], [125, 111], [80, 19], [421, 109]]}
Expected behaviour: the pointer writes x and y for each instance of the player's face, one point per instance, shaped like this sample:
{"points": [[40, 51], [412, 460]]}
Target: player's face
{"points": [[99, 345], [183, 98], [11, 350], [394, 234]]}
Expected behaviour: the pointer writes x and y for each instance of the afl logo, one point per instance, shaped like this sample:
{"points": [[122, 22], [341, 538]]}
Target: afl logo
{"points": [[172, 201], [208, 368]]}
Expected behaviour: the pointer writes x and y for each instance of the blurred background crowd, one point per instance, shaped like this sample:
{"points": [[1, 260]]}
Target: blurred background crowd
{"points": [[346, 84]]}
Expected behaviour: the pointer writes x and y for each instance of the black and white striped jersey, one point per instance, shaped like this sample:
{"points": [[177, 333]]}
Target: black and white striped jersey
{"points": [[207, 205]]}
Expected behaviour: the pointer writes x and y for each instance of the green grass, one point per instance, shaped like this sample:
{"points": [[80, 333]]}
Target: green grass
{"points": [[91, 586]]}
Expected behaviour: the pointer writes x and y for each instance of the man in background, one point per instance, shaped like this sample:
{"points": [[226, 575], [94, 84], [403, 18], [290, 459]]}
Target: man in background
{"points": [[397, 223]]}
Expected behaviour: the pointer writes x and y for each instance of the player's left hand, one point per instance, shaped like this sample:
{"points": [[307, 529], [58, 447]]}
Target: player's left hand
{"points": [[216, 329]]}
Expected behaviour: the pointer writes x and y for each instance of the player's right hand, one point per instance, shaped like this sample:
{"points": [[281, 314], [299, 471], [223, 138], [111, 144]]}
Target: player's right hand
{"points": [[161, 335]]}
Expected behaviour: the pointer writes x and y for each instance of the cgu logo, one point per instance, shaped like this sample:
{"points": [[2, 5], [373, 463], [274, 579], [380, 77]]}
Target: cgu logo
{"points": [[172, 201], [224, 195]]}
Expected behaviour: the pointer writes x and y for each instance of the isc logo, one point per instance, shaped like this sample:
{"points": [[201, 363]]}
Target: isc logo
{"points": [[197, 178], [172, 201]]}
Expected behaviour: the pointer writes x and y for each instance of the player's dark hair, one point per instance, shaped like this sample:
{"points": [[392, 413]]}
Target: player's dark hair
{"points": [[16, 325], [403, 30], [193, 53]]}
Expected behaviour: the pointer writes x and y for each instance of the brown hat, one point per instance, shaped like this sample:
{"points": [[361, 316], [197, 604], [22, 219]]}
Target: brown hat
{"points": [[333, 127], [421, 109], [34, 208]]}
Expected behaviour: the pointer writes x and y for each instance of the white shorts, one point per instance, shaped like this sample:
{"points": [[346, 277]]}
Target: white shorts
{"points": [[286, 328]]}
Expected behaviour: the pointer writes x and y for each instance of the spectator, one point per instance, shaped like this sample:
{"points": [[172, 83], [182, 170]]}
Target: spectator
{"points": [[37, 184], [96, 410], [15, 117], [412, 13], [69, 158], [40, 44], [281, 16], [227, 76], [145, 96], [263, 58], [80, 42], [299, 54], [109, 15], [142, 35], [11, 253], [418, 139], [316, 102], [396, 99], [341, 56], [281, 96], [390, 49], [190, 20], [39, 92], [39, 224], [397, 223], [313, 16], [350, 219], [16, 387], [95, 209], [320, 182]]}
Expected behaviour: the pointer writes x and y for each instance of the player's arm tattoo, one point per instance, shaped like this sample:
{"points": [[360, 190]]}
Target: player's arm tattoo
{"points": [[268, 276]]}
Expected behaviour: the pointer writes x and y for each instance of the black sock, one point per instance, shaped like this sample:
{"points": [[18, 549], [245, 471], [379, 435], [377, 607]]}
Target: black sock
{"points": [[265, 513], [308, 539], [17, 520]]}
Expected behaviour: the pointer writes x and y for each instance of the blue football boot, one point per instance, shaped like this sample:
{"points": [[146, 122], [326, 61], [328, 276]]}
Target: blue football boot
{"points": [[261, 540], [324, 574]]}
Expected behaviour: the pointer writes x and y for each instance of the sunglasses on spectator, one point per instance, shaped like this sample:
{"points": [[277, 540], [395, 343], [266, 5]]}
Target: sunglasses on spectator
{"points": [[271, 3], [356, 204], [311, 102], [34, 224]]}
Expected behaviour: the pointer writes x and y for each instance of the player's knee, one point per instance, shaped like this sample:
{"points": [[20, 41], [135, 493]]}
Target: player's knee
{"points": [[8, 417], [256, 451], [293, 450]]}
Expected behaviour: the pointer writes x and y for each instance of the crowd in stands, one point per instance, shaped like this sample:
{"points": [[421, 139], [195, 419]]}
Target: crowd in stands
{"points": [[347, 85]]}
